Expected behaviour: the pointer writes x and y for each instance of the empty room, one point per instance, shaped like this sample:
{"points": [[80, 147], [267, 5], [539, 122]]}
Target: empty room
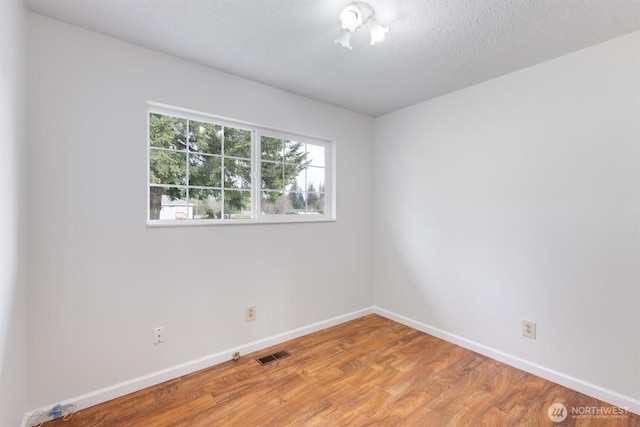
{"points": [[320, 213]]}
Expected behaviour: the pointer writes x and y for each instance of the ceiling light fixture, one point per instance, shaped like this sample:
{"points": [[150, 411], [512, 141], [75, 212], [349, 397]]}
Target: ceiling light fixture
{"points": [[358, 15]]}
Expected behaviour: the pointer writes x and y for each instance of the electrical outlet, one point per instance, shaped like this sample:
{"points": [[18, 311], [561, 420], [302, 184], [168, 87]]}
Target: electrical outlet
{"points": [[250, 313], [158, 335], [529, 329]]}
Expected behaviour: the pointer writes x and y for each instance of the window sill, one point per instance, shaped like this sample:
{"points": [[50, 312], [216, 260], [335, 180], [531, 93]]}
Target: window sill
{"points": [[214, 222]]}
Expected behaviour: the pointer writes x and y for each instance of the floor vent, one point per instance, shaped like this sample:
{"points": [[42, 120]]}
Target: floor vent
{"points": [[275, 356]]}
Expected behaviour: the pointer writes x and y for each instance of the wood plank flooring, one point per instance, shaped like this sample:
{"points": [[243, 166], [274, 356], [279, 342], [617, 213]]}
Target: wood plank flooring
{"points": [[367, 372]]}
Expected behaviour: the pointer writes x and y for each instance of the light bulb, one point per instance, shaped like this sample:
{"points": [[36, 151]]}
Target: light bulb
{"points": [[377, 31], [344, 39], [351, 18]]}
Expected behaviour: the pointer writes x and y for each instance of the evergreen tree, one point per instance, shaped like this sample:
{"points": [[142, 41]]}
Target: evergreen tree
{"points": [[219, 157], [312, 198]]}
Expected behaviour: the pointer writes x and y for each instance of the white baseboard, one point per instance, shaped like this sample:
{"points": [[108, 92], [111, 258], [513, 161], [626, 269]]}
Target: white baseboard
{"points": [[118, 390], [609, 396]]}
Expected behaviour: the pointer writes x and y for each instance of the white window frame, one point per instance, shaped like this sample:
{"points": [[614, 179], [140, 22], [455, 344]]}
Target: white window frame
{"points": [[257, 132]]}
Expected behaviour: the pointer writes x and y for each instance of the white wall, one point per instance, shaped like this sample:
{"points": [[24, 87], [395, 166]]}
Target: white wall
{"points": [[101, 281], [13, 315], [519, 198]]}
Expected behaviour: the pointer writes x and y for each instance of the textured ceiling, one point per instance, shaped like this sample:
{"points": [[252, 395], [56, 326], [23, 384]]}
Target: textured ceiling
{"points": [[434, 46]]}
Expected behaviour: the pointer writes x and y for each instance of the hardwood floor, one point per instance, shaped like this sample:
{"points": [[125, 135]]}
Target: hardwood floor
{"points": [[367, 372]]}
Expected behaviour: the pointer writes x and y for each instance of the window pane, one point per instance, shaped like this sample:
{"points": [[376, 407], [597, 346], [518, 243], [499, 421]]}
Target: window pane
{"points": [[237, 173], [272, 203], [167, 167], [315, 155], [271, 175], [315, 203], [167, 132], [271, 148], [207, 204], [297, 181], [315, 179], [167, 203], [237, 142], [295, 203], [237, 204], [205, 137], [205, 171], [294, 152]]}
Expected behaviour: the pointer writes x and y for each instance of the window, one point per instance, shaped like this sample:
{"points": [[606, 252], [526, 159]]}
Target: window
{"points": [[204, 169]]}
